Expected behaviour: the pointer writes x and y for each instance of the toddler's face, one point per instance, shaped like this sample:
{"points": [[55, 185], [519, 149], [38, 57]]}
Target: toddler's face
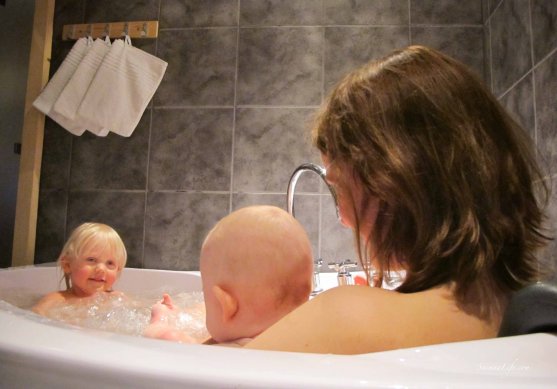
{"points": [[95, 270]]}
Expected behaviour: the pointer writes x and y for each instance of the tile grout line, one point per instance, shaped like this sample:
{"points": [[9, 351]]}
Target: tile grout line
{"points": [[235, 107], [409, 22], [533, 80], [322, 99], [149, 138]]}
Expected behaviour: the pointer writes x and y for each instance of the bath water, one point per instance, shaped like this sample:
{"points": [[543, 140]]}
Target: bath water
{"points": [[122, 313]]}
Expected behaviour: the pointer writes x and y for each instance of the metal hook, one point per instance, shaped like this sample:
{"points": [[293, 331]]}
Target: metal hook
{"points": [[71, 35]]}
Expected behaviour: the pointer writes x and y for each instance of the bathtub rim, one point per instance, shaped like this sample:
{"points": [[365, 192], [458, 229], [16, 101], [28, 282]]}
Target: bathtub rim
{"points": [[175, 365]]}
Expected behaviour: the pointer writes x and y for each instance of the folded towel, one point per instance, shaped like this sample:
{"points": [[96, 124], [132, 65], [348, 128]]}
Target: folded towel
{"points": [[73, 93], [122, 87], [48, 96]]}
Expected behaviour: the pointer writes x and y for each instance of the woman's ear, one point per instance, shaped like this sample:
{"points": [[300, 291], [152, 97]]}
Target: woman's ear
{"points": [[227, 302]]}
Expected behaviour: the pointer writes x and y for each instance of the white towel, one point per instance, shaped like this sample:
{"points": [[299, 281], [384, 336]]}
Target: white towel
{"points": [[73, 93], [45, 101], [122, 87]]}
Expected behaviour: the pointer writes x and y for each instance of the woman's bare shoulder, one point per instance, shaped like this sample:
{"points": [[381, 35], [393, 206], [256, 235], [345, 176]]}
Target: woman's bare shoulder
{"points": [[360, 319], [333, 322]]}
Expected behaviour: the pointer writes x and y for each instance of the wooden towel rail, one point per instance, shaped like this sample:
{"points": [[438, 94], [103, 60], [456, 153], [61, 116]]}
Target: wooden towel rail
{"points": [[141, 29]]}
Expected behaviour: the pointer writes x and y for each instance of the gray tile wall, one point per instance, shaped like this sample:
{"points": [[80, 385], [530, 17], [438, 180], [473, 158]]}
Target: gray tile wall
{"points": [[229, 122], [522, 47]]}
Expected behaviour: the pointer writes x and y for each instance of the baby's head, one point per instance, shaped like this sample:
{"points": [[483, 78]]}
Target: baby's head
{"points": [[256, 266], [89, 245]]}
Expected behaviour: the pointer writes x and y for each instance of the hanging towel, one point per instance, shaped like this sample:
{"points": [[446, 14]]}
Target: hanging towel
{"points": [[73, 93], [122, 87], [45, 101]]}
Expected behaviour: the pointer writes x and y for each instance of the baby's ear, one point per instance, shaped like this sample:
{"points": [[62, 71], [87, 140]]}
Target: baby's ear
{"points": [[228, 303]]}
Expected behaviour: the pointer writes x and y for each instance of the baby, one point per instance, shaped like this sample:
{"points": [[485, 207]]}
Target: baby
{"points": [[256, 266], [91, 260]]}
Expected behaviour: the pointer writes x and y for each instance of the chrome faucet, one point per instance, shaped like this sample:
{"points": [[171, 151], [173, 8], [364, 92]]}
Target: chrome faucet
{"points": [[290, 207], [294, 180]]}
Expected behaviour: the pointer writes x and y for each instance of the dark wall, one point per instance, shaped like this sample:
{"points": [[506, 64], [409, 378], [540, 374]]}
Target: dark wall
{"points": [[229, 122], [16, 19], [521, 39]]}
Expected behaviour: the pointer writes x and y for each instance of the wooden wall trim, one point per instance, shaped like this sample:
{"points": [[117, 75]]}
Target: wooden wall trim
{"points": [[23, 252]]}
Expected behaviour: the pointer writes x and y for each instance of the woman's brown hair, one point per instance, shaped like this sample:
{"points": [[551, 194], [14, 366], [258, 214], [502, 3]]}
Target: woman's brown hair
{"points": [[455, 175]]}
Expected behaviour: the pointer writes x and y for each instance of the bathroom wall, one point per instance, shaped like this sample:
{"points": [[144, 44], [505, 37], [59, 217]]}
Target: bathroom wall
{"points": [[230, 121], [521, 41], [16, 19]]}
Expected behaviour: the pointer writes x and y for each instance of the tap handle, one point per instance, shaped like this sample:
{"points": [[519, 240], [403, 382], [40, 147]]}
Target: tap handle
{"points": [[318, 263], [343, 266], [343, 277], [334, 266]]}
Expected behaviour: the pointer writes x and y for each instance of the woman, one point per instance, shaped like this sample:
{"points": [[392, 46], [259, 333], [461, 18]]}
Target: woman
{"points": [[435, 179]]}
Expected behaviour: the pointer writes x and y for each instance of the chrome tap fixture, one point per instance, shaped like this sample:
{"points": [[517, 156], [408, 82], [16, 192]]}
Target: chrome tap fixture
{"points": [[294, 180], [290, 207], [343, 277], [316, 289]]}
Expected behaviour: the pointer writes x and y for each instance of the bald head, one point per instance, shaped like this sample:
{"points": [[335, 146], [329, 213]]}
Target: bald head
{"points": [[254, 239], [261, 255]]}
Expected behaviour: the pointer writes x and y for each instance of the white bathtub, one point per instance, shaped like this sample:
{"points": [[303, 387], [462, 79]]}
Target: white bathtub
{"points": [[38, 353]]}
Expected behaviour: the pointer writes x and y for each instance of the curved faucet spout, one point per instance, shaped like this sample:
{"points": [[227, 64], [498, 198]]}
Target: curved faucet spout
{"points": [[294, 180]]}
